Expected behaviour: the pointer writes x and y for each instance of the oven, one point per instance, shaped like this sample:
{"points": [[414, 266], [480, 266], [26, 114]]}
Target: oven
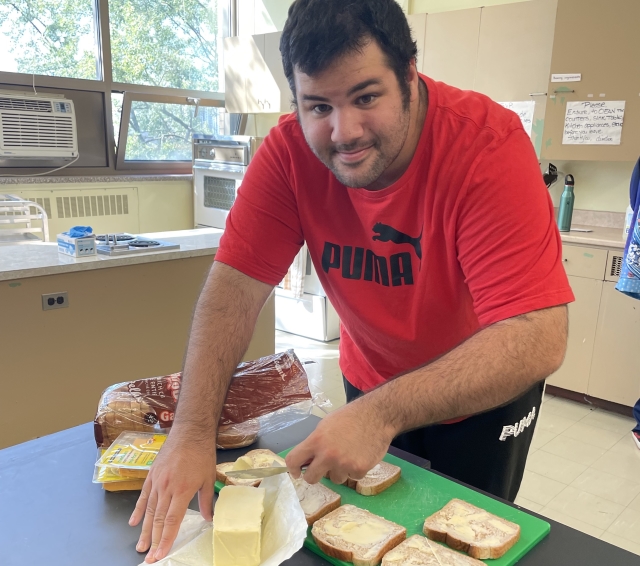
{"points": [[219, 165]]}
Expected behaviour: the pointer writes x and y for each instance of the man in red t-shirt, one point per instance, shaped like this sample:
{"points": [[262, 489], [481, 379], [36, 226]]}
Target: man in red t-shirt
{"points": [[427, 219]]}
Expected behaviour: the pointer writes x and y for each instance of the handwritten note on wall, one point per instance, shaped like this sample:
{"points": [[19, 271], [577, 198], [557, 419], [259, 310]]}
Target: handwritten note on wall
{"points": [[524, 110], [593, 123]]}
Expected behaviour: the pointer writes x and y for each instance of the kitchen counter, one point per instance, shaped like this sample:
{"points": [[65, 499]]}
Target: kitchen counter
{"points": [[51, 513], [34, 259], [599, 237]]}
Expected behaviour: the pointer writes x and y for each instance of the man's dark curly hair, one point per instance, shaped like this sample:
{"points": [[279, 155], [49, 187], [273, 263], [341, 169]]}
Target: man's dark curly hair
{"points": [[317, 32]]}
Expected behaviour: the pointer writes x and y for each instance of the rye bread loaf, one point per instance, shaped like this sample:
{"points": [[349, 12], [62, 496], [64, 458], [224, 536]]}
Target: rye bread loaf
{"points": [[472, 530], [258, 388], [355, 535], [420, 551], [317, 500]]}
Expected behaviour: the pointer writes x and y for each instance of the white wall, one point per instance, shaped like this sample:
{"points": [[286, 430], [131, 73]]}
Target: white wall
{"points": [[432, 6]]}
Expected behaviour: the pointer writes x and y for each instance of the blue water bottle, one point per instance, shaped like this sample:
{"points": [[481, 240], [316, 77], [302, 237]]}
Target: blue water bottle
{"points": [[565, 211]]}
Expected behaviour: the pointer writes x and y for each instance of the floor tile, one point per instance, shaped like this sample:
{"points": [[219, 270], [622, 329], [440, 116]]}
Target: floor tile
{"points": [[607, 486], [541, 437], [592, 435], [539, 489], [610, 421], [585, 507], [621, 542], [546, 397], [635, 504], [626, 445], [627, 525], [622, 465], [571, 522], [573, 450], [568, 409], [553, 423], [530, 505], [554, 467]]}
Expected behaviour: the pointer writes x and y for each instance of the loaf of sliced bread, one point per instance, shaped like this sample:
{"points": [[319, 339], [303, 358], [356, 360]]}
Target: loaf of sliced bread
{"points": [[316, 499], [473, 530], [260, 458], [379, 478], [355, 535], [420, 551]]}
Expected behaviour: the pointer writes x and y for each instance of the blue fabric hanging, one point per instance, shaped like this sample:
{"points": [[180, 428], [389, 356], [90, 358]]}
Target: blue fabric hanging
{"points": [[629, 282]]}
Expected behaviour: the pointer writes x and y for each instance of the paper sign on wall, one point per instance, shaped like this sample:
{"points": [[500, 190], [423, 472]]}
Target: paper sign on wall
{"points": [[593, 122], [566, 78], [524, 110]]}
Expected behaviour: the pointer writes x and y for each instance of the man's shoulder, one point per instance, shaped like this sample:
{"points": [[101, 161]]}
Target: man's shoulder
{"points": [[471, 110]]}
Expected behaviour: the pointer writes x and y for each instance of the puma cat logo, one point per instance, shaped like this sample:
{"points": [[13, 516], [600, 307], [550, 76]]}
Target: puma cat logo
{"points": [[386, 233]]}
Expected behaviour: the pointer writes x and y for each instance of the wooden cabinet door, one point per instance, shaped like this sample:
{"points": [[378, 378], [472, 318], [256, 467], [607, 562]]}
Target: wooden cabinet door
{"points": [[451, 47], [600, 40], [514, 55], [280, 97], [615, 375], [583, 318], [236, 54]]}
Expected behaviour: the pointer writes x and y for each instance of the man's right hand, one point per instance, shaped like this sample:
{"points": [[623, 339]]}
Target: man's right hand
{"points": [[181, 469]]}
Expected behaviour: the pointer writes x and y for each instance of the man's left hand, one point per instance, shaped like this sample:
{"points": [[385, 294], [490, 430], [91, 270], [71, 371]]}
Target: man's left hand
{"points": [[346, 444]]}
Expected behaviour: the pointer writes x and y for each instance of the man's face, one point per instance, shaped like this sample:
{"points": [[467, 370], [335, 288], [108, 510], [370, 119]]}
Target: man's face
{"points": [[353, 117]]}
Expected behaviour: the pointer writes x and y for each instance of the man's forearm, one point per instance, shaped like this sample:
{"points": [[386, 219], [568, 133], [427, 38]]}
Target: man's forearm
{"points": [[223, 323], [490, 369]]}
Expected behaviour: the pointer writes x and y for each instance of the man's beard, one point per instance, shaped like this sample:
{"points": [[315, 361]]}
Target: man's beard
{"points": [[356, 178]]}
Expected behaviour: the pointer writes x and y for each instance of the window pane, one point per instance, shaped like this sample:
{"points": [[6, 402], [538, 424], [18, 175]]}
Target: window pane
{"points": [[163, 132], [172, 43], [116, 113], [48, 37]]}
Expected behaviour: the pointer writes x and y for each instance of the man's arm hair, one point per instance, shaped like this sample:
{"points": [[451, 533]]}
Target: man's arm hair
{"points": [[491, 368], [223, 323]]}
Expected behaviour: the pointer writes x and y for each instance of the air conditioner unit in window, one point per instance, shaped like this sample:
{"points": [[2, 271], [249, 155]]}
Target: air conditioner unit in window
{"points": [[36, 128]]}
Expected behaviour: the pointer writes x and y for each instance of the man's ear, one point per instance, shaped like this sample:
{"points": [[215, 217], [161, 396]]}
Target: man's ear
{"points": [[413, 78]]}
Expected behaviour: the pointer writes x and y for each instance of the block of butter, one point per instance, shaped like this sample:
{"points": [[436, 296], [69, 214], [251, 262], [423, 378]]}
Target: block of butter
{"points": [[237, 526]]}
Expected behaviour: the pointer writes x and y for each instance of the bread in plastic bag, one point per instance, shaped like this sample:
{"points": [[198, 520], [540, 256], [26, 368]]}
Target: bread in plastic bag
{"points": [[265, 395]]}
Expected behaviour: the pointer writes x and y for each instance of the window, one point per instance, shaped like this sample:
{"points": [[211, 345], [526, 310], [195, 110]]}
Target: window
{"points": [[49, 37], [147, 62], [172, 43], [157, 129]]}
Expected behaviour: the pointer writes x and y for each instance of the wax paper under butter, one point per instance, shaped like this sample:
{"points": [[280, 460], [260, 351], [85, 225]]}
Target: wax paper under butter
{"points": [[284, 529]]}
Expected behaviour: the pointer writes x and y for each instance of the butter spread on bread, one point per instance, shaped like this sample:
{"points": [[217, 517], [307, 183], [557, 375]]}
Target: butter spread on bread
{"points": [[237, 526], [473, 530], [315, 499], [379, 478], [260, 458], [420, 551], [355, 535]]}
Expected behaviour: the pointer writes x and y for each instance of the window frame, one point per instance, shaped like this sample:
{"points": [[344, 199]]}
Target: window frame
{"points": [[107, 87], [129, 97]]}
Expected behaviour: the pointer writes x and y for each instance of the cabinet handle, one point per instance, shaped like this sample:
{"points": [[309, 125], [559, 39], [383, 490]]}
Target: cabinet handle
{"points": [[565, 259]]}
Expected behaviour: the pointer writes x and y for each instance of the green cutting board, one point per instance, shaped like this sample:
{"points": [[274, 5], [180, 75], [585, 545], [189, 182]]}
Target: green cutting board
{"points": [[420, 493]]}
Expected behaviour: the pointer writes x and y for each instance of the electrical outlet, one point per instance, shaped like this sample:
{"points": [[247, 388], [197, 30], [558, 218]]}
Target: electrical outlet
{"points": [[55, 301]]}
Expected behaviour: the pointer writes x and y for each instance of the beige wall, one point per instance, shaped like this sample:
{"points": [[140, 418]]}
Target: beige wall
{"points": [[158, 207], [599, 185], [122, 323], [432, 6]]}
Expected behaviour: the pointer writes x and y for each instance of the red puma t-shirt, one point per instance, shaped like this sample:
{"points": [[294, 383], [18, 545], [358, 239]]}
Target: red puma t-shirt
{"points": [[465, 238]]}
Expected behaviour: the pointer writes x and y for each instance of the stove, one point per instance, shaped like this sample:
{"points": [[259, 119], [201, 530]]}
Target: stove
{"points": [[126, 244]]}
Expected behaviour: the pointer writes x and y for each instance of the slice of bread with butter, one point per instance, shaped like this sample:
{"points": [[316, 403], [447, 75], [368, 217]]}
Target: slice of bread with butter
{"points": [[420, 551], [473, 530], [316, 499], [260, 458], [379, 478], [237, 526], [355, 535]]}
